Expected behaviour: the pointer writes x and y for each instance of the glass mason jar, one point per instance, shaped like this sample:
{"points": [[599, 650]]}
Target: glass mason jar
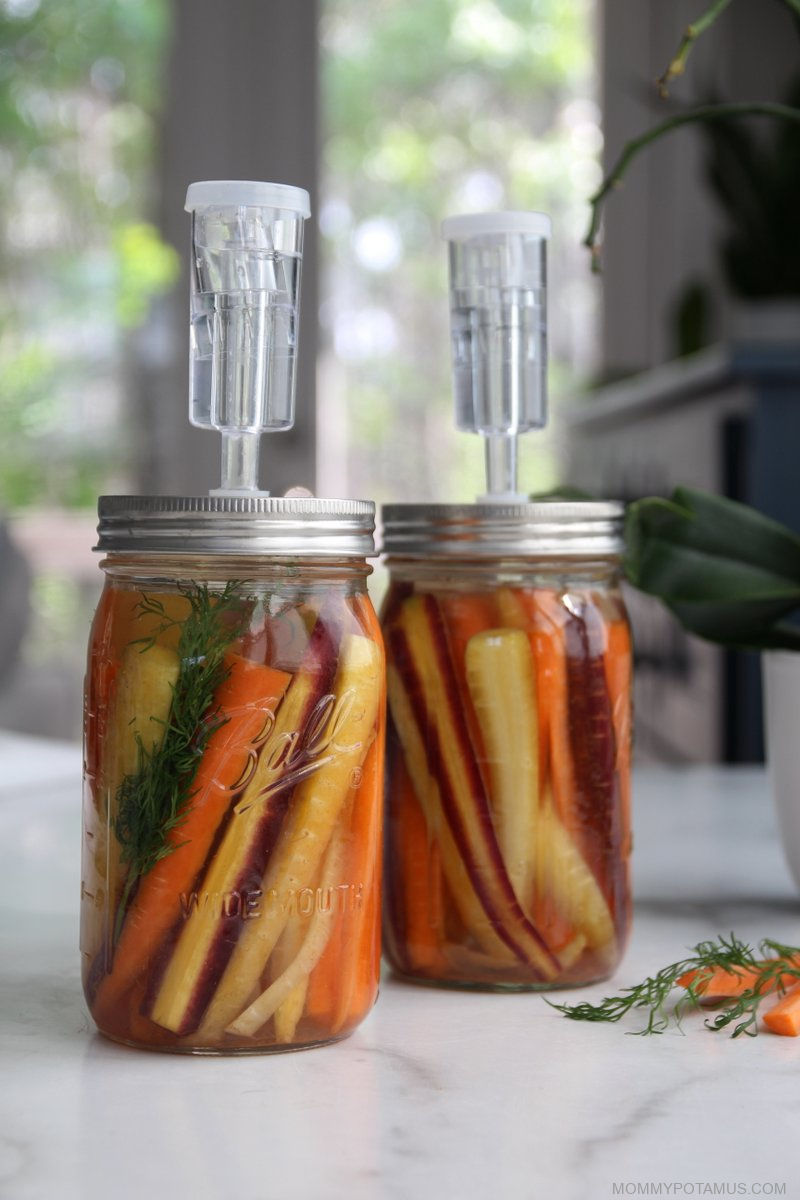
{"points": [[507, 826], [234, 739]]}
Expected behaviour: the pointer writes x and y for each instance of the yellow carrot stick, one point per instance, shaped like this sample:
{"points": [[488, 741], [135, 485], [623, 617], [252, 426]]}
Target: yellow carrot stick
{"points": [[288, 1013], [499, 673], [141, 708], [296, 974], [567, 886]]}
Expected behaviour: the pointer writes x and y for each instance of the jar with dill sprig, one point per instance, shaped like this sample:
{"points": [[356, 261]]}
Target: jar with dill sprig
{"points": [[233, 760]]}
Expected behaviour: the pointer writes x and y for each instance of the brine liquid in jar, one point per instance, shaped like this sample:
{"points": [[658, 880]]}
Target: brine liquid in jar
{"points": [[508, 815], [232, 809]]}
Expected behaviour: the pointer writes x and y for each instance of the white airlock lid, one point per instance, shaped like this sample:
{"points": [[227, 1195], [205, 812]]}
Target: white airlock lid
{"points": [[231, 193], [469, 225]]}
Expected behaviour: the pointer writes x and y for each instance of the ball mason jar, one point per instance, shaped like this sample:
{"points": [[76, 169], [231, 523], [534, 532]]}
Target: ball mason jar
{"points": [[507, 825], [234, 739]]}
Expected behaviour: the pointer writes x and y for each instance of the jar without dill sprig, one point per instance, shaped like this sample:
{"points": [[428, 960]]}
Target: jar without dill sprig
{"points": [[508, 816], [509, 668], [234, 706]]}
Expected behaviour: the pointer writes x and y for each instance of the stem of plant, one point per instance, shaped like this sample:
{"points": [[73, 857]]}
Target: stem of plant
{"points": [[710, 112], [697, 28]]}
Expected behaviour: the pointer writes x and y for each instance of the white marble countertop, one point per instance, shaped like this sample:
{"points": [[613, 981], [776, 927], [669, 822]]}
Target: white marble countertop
{"points": [[439, 1094]]}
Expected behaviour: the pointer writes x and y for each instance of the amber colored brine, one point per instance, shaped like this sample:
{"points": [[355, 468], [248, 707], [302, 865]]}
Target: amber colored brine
{"points": [[232, 808], [508, 815]]}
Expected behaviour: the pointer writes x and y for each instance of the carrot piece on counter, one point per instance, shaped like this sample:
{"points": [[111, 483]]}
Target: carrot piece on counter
{"points": [[721, 984], [248, 695], [784, 1017]]}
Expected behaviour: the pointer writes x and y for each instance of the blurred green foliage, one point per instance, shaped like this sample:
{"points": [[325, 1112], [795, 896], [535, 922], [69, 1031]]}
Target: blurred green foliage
{"points": [[80, 88], [431, 109]]}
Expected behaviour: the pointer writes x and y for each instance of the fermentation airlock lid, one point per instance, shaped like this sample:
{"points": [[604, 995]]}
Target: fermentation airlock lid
{"points": [[274, 526], [543, 529]]}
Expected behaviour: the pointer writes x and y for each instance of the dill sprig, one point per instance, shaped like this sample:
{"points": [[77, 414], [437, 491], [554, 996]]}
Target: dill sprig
{"points": [[154, 800], [773, 963]]}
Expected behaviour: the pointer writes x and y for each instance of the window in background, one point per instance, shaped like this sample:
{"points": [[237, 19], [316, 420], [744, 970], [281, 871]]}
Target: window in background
{"points": [[80, 87], [430, 109]]}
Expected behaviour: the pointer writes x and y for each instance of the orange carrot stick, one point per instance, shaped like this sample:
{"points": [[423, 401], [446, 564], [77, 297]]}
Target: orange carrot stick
{"points": [[323, 981], [466, 614], [247, 696], [618, 665], [362, 955], [540, 613], [333, 987], [784, 1017], [549, 652], [359, 962], [418, 866]]}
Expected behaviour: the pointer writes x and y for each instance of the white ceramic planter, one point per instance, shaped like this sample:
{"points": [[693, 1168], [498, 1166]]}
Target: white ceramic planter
{"points": [[781, 674]]}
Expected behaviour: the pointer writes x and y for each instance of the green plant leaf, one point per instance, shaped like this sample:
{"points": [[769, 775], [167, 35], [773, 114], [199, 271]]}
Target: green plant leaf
{"points": [[719, 528], [728, 573]]}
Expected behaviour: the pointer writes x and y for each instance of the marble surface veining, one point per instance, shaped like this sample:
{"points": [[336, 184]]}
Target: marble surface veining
{"points": [[439, 1094]]}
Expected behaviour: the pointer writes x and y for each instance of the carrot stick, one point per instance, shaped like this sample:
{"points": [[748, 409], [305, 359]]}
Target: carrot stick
{"points": [[287, 1016], [359, 962], [337, 993], [249, 694], [322, 982], [618, 678], [539, 612], [417, 861], [784, 1017], [466, 614], [320, 928], [549, 653], [101, 674]]}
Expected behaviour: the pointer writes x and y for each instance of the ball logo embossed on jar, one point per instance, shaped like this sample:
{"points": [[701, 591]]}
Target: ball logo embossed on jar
{"points": [[294, 755]]}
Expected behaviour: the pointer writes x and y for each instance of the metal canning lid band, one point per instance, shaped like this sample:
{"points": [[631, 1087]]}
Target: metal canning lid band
{"points": [[282, 526], [544, 529]]}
